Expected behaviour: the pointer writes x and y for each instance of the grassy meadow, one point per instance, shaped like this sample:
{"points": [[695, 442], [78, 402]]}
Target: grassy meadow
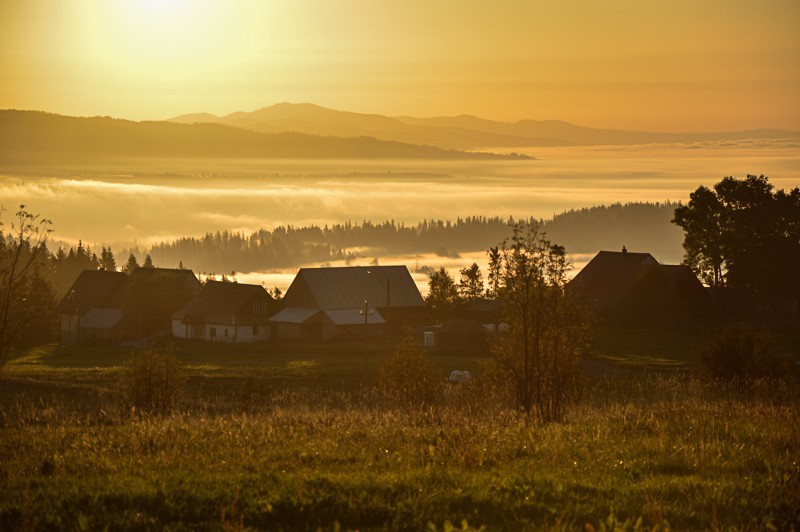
{"points": [[296, 437]]}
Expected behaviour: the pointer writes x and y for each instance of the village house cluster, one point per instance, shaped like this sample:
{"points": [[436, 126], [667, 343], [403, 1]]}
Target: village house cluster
{"points": [[321, 303], [329, 303]]}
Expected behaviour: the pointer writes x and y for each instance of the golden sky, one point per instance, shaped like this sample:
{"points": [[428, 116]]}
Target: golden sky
{"points": [[677, 65]]}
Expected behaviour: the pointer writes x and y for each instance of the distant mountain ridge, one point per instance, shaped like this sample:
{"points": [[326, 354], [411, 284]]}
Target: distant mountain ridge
{"points": [[457, 132], [35, 136]]}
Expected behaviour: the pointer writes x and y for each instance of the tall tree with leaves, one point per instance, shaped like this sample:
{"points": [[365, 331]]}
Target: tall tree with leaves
{"points": [[546, 329], [470, 286], [22, 285], [743, 234], [702, 220], [442, 295]]}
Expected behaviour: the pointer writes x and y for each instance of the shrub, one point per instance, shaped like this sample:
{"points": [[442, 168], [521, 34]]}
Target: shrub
{"points": [[546, 328], [742, 353], [152, 381], [407, 376]]}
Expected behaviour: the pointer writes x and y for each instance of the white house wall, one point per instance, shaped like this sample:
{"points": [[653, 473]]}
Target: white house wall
{"points": [[244, 334], [241, 334], [180, 329]]}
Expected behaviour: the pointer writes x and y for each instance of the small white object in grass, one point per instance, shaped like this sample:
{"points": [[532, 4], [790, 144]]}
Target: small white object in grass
{"points": [[460, 376]]}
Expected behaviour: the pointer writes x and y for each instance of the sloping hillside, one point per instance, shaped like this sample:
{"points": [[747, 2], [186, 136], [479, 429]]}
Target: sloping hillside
{"points": [[32, 136]]}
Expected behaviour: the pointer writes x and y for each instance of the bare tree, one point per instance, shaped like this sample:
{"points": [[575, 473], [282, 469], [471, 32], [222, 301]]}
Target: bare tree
{"points": [[546, 329], [21, 251]]}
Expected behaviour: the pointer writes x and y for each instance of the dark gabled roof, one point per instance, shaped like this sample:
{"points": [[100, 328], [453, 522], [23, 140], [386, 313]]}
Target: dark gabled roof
{"points": [[678, 272], [93, 289], [483, 306], [219, 302], [294, 315], [682, 277], [186, 276], [353, 316], [609, 277], [349, 287]]}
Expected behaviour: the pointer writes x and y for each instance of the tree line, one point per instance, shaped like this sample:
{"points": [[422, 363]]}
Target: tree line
{"points": [[744, 235], [642, 226]]}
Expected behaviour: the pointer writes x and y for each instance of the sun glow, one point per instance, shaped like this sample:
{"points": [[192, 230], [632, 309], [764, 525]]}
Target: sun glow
{"points": [[172, 44], [667, 66], [157, 31]]}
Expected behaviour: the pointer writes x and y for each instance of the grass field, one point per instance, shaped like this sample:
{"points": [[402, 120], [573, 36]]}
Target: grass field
{"points": [[294, 437]]}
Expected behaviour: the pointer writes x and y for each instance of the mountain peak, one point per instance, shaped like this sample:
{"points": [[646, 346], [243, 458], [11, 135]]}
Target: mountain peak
{"points": [[460, 132]]}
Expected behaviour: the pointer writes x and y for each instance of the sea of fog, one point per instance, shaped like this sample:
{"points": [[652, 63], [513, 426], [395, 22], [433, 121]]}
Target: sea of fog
{"points": [[136, 203]]}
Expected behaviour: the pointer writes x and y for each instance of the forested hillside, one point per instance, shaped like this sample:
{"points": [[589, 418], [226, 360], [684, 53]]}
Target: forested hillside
{"points": [[639, 226]]}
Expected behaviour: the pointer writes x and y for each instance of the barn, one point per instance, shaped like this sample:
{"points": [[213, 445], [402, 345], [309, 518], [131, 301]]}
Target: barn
{"points": [[353, 301], [627, 286]]}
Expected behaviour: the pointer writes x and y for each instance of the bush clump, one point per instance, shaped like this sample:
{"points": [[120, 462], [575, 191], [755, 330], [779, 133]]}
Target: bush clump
{"points": [[152, 382], [407, 376], [743, 353]]}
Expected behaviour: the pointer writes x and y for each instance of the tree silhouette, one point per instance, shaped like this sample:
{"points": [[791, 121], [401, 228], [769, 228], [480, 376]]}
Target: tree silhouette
{"points": [[131, 265], [702, 220], [546, 329], [22, 288], [107, 261], [743, 234], [471, 284], [494, 272], [442, 295]]}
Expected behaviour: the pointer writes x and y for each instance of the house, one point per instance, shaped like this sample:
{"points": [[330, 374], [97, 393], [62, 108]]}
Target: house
{"points": [[226, 312], [486, 312], [154, 295], [324, 303], [112, 306], [93, 307], [624, 286]]}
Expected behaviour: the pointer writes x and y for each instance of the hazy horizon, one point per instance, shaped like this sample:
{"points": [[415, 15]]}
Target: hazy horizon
{"points": [[677, 66], [154, 200], [454, 115]]}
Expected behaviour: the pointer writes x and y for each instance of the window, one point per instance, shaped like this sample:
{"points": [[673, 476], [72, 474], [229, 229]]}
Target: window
{"points": [[226, 331], [255, 308], [212, 332], [255, 330]]}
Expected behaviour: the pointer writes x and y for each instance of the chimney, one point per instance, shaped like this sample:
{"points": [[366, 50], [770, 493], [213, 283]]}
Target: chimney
{"points": [[624, 249]]}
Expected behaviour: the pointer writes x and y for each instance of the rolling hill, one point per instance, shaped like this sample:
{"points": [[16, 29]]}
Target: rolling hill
{"points": [[458, 132], [34, 136]]}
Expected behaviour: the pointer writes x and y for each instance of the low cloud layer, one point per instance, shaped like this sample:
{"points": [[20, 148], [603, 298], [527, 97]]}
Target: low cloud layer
{"points": [[147, 205]]}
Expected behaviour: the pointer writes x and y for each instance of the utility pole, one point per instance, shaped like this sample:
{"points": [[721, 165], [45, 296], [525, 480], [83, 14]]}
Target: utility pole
{"points": [[366, 312], [388, 316]]}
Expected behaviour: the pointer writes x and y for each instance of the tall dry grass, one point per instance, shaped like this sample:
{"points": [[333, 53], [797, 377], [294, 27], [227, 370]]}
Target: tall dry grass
{"points": [[666, 450]]}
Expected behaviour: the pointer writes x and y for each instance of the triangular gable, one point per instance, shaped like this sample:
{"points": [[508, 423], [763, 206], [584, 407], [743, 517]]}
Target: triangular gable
{"points": [[353, 317], [294, 315], [350, 287], [94, 288], [610, 276]]}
